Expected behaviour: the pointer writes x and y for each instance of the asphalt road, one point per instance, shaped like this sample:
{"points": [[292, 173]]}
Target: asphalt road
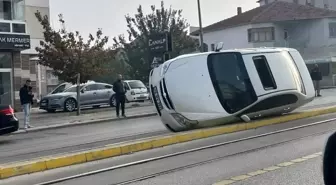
{"points": [[228, 161], [51, 142]]}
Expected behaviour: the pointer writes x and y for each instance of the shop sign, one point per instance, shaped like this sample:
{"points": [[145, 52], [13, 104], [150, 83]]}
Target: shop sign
{"points": [[13, 41]]}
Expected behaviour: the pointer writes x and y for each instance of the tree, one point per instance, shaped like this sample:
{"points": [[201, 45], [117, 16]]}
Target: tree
{"points": [[72, 58], [141, 26]]}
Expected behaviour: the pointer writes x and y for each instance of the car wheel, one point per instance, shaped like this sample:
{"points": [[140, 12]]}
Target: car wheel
{"points": [[113, 101], [51, 110], [70, 105]]}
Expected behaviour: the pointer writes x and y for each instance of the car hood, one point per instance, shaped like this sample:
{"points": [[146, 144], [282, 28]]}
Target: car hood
{"points": [[60, 95]]}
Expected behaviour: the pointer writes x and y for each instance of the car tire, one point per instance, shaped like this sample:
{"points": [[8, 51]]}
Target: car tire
{"points": [[51, 110], [70, 105], [113, 101]]}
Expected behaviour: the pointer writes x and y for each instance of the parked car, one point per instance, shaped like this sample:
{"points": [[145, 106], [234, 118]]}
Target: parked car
{"points": [[8, 121], [91, 94], [136, 91]]}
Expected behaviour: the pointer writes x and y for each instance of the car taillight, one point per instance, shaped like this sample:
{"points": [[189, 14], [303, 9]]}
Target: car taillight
{"points": [[8, 111]]}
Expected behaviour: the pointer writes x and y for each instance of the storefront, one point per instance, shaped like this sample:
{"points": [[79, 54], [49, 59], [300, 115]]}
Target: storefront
{"points": [[14, 69]]}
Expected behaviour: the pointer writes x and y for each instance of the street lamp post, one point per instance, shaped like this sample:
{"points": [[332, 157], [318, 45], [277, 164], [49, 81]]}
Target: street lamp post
{"points": [[200, 24]]}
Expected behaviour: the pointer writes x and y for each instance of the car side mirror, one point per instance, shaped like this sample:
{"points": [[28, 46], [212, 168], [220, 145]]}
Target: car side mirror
{"points": [[82, 91], [329, 161]]}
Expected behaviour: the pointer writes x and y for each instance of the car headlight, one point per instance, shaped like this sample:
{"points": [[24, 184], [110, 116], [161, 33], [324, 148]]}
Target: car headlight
{"points": [[183, 120]]}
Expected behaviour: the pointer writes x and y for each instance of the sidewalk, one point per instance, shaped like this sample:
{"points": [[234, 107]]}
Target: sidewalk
{"points": [[37, 113]]}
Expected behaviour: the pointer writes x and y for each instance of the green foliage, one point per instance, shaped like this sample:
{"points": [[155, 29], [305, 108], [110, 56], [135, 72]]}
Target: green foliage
{"points": [[69, 54], [140, 26]]}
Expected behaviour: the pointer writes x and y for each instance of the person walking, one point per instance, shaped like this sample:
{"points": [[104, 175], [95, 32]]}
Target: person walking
{"points": [[316, 76], [120, 95], [25, 99]]}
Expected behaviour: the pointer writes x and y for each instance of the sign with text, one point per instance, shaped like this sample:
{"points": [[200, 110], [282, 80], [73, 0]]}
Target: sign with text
{"points": [[13, 41], [160, 42]]}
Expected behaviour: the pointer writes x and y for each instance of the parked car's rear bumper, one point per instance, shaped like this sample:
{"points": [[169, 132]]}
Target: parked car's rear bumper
{"points": [[11, 126]]}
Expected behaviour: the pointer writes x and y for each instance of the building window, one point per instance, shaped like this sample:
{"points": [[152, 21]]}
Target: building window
{"points": [[19, 28], [6, 9], [12, 9], [18, 9], [5, 60], [332, 29], [261, 34], [5, 27]]}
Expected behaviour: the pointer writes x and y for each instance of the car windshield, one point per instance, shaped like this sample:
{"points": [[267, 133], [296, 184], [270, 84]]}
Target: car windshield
{"points": [[73, 88], [136, 85]]}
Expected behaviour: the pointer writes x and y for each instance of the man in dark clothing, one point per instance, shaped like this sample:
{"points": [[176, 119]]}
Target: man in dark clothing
{"points": [[120, 91], [25, 98], [316, 76]]}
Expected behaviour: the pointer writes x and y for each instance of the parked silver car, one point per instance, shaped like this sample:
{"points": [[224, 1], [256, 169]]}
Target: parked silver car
{"points": [[91, 94]]}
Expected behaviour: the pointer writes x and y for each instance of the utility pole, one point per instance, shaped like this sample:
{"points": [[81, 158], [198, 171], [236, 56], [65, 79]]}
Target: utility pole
{"points": [[200, 25]]}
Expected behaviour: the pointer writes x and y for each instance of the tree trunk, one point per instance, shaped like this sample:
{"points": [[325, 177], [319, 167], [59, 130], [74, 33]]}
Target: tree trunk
{"points": [[78, 94]]}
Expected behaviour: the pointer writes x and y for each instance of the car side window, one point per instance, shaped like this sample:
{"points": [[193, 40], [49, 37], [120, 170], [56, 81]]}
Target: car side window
{"points": [[59, 89], [126, 86], [91, 87]]}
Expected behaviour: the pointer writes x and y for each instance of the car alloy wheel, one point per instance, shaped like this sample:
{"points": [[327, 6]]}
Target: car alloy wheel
{"points": [[70, 105], [113, 101]]}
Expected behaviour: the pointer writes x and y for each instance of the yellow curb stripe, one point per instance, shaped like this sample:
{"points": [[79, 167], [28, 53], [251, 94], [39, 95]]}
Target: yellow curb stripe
{"points": [[225, 182], [259, 172], [285, 164], [266, 170], [240, 177], [146, 144]]}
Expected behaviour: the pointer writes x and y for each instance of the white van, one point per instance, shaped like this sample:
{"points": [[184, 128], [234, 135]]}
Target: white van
{"points": [[136, 91]]}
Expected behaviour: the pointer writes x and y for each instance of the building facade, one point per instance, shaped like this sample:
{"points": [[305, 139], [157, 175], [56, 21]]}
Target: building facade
{"points": [[310, 30], [20, 33]]}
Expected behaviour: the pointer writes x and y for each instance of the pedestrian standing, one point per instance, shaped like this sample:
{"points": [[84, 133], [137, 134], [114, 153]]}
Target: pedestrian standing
{"points": [[120, 95], [25, 98], [316, 76]]}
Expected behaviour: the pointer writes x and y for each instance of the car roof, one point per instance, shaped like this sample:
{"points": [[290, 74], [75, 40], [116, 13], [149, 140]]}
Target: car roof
{"points": [[132, 80]]}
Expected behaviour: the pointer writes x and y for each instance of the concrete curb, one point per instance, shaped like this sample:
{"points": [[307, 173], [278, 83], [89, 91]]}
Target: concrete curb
{"points": [[49, 163], [63, 125]]}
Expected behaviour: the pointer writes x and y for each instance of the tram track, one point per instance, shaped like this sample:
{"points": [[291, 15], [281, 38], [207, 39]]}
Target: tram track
{"points": [[145, 177], [80, 147]]}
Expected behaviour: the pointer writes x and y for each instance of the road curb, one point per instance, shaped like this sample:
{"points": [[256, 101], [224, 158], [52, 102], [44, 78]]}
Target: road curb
{"points": [[89, 122], [49, 163]]}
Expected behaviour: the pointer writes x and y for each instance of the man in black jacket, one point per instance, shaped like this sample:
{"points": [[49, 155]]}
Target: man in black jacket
{"points": [[120, 91], [25, 98], [316, 76]]}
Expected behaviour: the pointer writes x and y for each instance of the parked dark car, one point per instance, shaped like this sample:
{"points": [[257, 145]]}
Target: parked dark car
{"points": [[8, 121]]}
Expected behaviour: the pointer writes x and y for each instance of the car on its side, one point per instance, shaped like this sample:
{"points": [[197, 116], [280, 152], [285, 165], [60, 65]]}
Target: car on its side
{"points": [[91, 95]]}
